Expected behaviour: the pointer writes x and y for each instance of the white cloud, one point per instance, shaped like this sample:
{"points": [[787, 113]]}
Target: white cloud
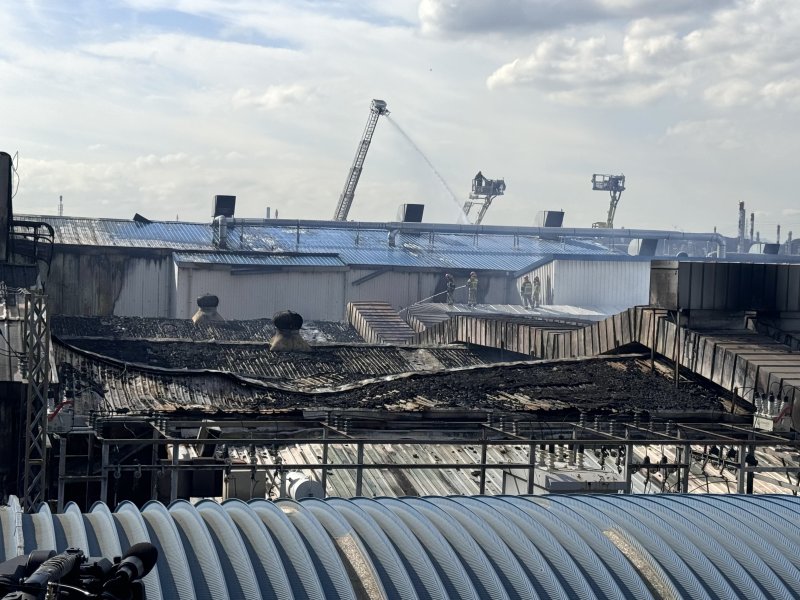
{"points": [[155, 106], [522, 17], [737, 56], [273, 97], [719, 134]]}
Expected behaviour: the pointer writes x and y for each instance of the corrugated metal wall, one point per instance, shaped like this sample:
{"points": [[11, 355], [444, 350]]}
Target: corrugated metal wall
{"points": [[593, 282], [317, 295], [547, 277], [106, 283], [602, 283], [146, 289]]}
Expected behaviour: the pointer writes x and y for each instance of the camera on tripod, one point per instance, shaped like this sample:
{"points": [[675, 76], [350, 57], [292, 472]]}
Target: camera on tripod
{"points": [[45, 575]]}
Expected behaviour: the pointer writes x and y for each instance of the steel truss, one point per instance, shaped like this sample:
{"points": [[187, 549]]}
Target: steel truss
{"points": [[37, 351]]}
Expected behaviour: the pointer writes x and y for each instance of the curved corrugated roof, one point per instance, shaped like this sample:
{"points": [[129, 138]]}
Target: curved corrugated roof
{"points": [[621, 546]]}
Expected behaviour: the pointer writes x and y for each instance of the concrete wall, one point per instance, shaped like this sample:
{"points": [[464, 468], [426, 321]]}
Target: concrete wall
{"points": [[100, 281]]}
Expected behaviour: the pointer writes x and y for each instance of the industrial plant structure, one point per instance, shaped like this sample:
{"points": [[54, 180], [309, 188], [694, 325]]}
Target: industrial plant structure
{"points": [[491, 450]]}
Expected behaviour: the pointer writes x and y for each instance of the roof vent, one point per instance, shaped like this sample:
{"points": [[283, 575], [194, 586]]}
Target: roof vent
{"points": [[207, 310], [224, 206], [410, 213], [288, 338], [549, 218]]}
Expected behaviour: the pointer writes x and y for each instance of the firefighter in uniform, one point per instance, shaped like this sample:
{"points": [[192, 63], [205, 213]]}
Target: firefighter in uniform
{"points": [[537, 293], [450, 287], [526, 291], [472, 289]]}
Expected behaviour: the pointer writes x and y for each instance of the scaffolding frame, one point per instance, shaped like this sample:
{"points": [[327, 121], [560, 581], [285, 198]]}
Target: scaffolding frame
{"points": [[561, 449], [36, 337]]}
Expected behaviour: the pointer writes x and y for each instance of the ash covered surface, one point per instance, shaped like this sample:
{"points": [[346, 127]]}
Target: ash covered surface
{"points": [[115, 328], [328, 364], [597, 384], [619, 384]]}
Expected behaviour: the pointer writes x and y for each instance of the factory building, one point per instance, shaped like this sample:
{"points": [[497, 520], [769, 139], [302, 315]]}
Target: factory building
{"points": [[157, 269], [144, 268]]}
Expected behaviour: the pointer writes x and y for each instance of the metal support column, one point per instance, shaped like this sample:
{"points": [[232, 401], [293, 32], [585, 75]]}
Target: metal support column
{"points": [[104, 466], [359, 467], [677, 347], [37, 348], [324, 477], [173, 475], [154, 461], [740, 488], [532, 467], [482, 489], [628, 461], [62, 470]]}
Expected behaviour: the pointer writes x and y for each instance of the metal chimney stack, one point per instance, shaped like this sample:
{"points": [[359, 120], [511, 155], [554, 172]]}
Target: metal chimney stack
{"points": [[5, 204], [742, 221]]}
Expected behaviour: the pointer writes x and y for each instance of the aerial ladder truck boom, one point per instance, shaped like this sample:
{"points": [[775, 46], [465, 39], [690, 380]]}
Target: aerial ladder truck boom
{"points": [[483, 192], [377, 109], [614, 185]]}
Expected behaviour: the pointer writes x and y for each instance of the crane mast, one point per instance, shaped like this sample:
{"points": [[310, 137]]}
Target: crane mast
{"points": [[377, 109]]}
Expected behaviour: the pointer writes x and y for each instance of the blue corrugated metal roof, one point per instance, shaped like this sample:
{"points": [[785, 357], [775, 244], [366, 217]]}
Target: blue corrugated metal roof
{"points": [[354, 244], [265, 260]]}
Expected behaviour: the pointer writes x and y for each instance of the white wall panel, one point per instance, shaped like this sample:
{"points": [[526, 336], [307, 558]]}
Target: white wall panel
{"points": [[317, 295], [146, 288], [602, 283]]}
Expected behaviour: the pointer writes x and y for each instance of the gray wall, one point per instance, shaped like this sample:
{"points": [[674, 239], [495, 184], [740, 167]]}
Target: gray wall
{"points": [[723, 286], [103, 281], [593, 283]]}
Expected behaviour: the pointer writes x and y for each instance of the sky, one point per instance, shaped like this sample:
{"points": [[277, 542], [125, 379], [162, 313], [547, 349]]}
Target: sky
{"points": [[155, 106]]}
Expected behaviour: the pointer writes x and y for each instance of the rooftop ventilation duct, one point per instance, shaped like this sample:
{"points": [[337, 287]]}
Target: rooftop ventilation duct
{"points": [[288, 338], [549, 218], [410, 213], [220, 227], [207, 310], [224, 206]]}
